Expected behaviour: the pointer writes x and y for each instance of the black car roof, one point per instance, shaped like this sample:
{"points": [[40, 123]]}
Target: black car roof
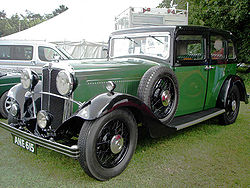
{"points": [[179, 28]]}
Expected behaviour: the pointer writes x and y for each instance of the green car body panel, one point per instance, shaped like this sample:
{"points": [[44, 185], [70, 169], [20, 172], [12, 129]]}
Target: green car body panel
{"points": [[8, 81], [92, 77]]}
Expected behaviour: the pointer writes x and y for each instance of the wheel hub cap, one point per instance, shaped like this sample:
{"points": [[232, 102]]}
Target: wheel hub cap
{"points": [[165, 98], [116, 144], [234, 105]]}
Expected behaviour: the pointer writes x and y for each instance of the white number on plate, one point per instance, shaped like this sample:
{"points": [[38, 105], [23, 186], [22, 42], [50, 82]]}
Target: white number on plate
{"points": [[24, 144]]}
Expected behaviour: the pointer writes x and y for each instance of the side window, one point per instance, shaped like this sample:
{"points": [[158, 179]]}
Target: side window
{"points": [[231, 50], [16, 52], [217, 47], [47, 54], [190, 47], [5, 52]]}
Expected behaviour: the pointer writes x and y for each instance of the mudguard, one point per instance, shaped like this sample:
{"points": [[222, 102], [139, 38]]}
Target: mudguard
{"points": [[228, 83], [108, 102], [18, 93]]}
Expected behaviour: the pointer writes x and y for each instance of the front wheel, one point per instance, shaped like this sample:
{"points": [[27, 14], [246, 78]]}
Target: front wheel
{"points": [[5, 105], [232, 106], [107, 144]]}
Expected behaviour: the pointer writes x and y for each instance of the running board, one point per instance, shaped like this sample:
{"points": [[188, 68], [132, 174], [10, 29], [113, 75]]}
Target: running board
{"points": [[182, 122]]}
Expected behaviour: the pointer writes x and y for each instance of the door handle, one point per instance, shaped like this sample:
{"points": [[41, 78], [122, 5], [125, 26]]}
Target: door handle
{"points": [[209, 67]]}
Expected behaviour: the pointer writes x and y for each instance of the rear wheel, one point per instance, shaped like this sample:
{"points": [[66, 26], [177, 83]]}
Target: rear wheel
{"points": [[232, 106], [107, 144]]}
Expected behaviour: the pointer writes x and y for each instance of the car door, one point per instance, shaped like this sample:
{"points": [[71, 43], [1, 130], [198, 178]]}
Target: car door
{"points": [[190, 68], [221, 65]]}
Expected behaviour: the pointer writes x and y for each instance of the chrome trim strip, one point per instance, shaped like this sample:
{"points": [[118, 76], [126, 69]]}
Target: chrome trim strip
{"points": [[50, 71], [62, 97], [60, 148], [9, 84], [179, 127]]}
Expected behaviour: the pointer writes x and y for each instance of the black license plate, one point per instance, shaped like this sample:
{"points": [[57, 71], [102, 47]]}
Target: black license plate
{"points": [[29, 146]]}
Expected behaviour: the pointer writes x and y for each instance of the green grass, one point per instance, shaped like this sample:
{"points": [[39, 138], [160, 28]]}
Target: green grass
{"points": [[205, 155]]}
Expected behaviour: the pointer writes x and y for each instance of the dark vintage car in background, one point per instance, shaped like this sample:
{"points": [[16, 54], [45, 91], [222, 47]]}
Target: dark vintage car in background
{"points": [[164, 78], [7, 80]]}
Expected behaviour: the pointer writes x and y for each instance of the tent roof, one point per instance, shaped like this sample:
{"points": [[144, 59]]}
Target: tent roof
{"points": [[90, 20]]}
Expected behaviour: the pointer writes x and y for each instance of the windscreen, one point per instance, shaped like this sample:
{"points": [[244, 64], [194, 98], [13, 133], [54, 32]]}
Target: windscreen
{"points": [[155, 45]]}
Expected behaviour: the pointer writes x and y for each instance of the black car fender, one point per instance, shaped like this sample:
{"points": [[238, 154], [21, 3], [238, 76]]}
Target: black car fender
{"points": [[108, 102], [19, 94], [228, 83]]}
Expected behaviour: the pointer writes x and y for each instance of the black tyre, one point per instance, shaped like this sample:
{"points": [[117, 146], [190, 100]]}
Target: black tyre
{"points": [[232, 106], [5, 105], [107, 144], [158, 89]]}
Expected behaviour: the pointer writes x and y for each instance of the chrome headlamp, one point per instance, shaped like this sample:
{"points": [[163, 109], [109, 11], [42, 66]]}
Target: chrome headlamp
{"points": [[43, 119], [29, 79], [14, 109], [65, 82]]}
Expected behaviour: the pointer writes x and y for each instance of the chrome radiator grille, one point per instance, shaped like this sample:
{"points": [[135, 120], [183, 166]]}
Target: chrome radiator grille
{"points": [[52, 104]]}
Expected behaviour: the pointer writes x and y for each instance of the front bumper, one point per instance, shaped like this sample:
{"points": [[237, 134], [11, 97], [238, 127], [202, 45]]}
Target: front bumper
{"points": [[72, 151]]}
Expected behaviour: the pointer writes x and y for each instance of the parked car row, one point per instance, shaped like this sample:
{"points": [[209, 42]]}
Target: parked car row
{"points": [[15, 55], [165, 78]]}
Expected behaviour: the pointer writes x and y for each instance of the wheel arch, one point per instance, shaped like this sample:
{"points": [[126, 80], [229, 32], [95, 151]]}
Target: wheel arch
{"points": [[105, 103], [228, 83]]}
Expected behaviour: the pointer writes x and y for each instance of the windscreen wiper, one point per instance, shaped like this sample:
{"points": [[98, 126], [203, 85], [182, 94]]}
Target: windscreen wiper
{"points": [[156, 39], [131, 40]]}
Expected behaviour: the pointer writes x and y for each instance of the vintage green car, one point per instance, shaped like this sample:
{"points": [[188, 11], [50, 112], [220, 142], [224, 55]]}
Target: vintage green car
{"points": [[165, 78], [7, 80]]}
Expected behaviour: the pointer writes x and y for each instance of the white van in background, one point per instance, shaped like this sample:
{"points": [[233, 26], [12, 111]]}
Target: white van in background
{"points": [[19, 54]]}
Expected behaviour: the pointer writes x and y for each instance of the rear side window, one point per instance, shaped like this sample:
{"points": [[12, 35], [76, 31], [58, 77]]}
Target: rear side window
{"points": [[217, 47], [190, 47], [16, 52]]}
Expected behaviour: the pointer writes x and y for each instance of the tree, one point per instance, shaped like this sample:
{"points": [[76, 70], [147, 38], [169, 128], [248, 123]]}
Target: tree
{"points": [[182, 4], [21, 22], [231, 15], [2, 14], [60, 10]]}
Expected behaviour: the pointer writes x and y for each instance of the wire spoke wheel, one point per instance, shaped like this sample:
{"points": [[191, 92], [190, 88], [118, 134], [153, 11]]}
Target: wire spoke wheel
{"points": [[112, 143], [5, 105], [107, 144], [162, 97], [158, 89], [232, 106]]}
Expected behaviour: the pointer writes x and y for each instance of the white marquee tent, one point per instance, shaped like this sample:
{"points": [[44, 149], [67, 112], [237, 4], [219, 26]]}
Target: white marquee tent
{"points": [[86, 22]]}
